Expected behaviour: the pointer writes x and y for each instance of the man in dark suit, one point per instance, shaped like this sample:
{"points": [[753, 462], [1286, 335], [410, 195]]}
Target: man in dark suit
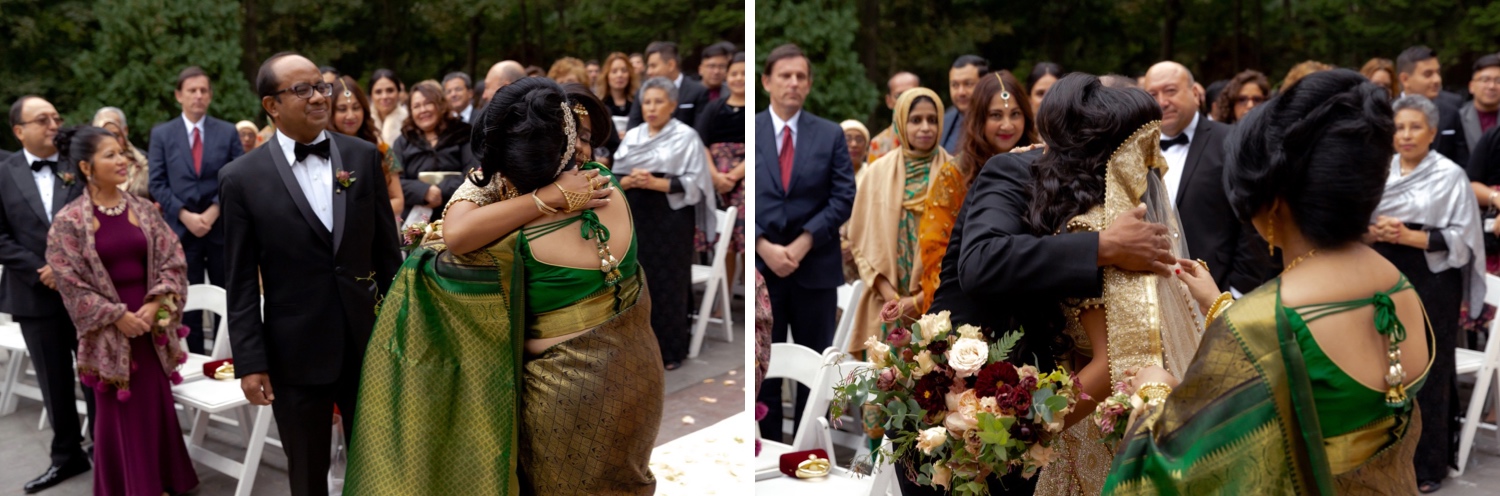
{"points": [[805, 192], [661, 61], [33, 188], [185, 157], [324, 249], [1420, 74], [1479, 115], [4, 155], [962, 78], [1194, 148]]}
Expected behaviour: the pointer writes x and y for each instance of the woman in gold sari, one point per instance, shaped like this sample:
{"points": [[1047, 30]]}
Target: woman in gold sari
{"points": [[888, 211], [1007, 124], [1103, 159], [1307, 384], [514, 353]]}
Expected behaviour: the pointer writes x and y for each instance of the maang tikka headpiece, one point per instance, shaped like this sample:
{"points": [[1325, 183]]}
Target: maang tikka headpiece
{"points": [[1004, 94]]}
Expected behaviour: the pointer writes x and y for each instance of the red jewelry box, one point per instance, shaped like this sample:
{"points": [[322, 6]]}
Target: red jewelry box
{"points": [[790, 461], [211, 367]]}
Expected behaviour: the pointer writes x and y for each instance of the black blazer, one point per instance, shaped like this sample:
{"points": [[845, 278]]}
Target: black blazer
{"points": [[692, 96], [174, 184], [1236, 255], [23, 237], [1451, 140], [998, 275], [819, 201], [452, 154], [953, 122], [4, 155], [320, 287]]}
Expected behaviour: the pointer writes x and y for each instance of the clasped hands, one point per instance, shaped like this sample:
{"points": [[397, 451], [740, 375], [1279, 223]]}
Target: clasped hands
{"points": [[199, 224], [784, 260], [1385, 230], [139, 322]]}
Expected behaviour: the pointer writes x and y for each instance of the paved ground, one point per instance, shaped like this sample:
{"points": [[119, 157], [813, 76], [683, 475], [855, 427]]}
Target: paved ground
{"points": [[707, 389]]}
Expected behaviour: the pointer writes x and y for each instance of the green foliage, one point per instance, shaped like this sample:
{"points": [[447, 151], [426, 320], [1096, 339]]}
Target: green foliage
{"points": [[1000, 350], [825, 30], [138, 50]]}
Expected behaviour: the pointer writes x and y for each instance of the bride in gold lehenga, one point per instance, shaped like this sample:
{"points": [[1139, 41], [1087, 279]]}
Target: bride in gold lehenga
{"points": [[1140, 319]]}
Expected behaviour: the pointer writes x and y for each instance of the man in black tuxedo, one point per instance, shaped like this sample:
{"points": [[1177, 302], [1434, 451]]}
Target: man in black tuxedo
{"points": [[1194, 147], [662, 61], [1420, 74], [805, 192], [185, 157], [324, 248], [33, 188], [4, 155]]}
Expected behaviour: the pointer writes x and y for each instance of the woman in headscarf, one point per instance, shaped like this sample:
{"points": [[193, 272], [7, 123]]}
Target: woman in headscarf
{"points": [[888, 210], [664, 171], [1306, 384], [249, 135], [857, 136], [1428, 225], [137, 181], [1007, 124]]}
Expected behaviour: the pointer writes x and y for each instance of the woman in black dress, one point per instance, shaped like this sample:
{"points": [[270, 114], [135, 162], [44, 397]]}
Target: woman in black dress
{"points": [[432, 140]]}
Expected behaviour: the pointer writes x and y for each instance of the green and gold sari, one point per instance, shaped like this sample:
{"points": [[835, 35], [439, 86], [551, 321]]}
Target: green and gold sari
{"points": [[1245, 421]]}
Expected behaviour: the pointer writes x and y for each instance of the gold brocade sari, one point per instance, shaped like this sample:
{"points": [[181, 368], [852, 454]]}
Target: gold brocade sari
{"points": [[1151, 320]]}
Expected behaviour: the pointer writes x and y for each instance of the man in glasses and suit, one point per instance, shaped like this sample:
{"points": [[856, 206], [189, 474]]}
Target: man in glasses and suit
{"points": [[185, 157], [308, 227]]}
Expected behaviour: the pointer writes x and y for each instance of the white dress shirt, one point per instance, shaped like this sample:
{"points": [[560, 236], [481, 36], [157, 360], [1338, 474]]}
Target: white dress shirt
{"points": [[190, 127], [468, 111], [1177, 160], [315, 177], [777, 125], [45, 181]]}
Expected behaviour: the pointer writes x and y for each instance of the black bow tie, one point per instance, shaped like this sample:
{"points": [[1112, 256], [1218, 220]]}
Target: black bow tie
{"points": [[38, 165], [302, 151], [1181, 139]]}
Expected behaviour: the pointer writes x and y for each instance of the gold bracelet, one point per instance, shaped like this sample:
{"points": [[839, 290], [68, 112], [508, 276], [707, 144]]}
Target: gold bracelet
{"points": [[812, 467], [1221, 304], [1153, 391], [541, 205], [576, 200]]}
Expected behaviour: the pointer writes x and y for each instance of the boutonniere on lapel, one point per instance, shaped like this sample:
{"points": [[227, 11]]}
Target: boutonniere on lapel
{"points": [[67, 179], [346, 179]]}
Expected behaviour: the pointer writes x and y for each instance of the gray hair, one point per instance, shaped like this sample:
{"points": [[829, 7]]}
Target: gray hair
{"points": [[114, 110], [660, 83], [1418, 103]]}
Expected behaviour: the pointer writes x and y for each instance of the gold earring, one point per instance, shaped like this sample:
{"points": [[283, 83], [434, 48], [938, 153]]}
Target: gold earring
{"points": [[1271, 234]]}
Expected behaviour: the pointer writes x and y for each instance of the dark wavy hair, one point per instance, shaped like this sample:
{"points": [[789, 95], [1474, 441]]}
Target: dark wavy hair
{"points": [[1083, 122], [1323, 147], [78, 143], [367, 129], [1225, 111], [975, 145], [599, 117], [520, 134]]}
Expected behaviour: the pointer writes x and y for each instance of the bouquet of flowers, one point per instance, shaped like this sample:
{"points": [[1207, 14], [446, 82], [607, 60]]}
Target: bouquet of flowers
{"points": [[951, 395], [1112, 415], [413, 235]]}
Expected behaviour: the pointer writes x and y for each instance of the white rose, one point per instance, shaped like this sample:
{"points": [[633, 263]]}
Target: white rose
{"points": [[879, 352], [934, 324], [968, 331], [967, 356], [924, 364], [931, 439]]}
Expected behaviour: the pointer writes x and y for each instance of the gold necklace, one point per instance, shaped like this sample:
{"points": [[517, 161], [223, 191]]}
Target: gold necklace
{"points": [[114, 211], [1295, 261]]}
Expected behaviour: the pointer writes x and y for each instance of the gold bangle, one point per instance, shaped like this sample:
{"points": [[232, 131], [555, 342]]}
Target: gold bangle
{"points": [[1153, 391], [576, 200], [541, 205], [812, 467], [1222, 303]]}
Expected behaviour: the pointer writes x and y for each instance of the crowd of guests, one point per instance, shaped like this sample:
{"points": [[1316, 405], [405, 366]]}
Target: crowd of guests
{"points": [[887, 208], [100, 239]]}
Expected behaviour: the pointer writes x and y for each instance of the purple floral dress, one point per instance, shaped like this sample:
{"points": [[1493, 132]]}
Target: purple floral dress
{"points": [[726, 156]]}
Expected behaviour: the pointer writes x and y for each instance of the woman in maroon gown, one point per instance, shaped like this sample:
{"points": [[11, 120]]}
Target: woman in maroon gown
{"points": [[122, 275]]}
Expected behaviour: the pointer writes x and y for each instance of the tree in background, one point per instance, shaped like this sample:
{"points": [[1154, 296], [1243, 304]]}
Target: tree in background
{"points": [[825, 30], [141, 46]]}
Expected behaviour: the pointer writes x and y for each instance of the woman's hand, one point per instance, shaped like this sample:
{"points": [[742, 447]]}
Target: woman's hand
{"points": [[1199, 282], [147, 313], [577, 181], [1151, 373], [723, 183], [638, 179], [131, 326], [1388, 229]]}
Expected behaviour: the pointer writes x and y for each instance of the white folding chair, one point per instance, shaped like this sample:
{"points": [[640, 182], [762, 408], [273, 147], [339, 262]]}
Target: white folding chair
{"points": [[1486, 367], [14, 346], [849, 295], [805, 366], [715, 279], [209, 298]]}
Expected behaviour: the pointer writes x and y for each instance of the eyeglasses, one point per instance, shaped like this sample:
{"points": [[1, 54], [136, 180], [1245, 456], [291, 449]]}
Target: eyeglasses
{"points": [[1249, 99], [44, 120], [1487, 80], [305, 91]]}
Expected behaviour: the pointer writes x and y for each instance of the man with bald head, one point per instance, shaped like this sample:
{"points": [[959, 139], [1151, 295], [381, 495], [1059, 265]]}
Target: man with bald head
{"points": [[886, 141], [319, 249], [501, 74], [1194, 148]]}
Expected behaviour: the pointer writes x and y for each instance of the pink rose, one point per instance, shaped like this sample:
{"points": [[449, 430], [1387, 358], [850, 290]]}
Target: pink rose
{"points": [[899, 337], [887, 380], [891, 311]]}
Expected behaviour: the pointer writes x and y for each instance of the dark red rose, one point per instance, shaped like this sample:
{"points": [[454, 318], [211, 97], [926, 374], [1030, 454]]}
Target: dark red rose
{"points": [[1021, 401], [937, 347], [930, 392], [992, 376], [1023, 431], [1004, 394], [1028, 383], [907, 355]]}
